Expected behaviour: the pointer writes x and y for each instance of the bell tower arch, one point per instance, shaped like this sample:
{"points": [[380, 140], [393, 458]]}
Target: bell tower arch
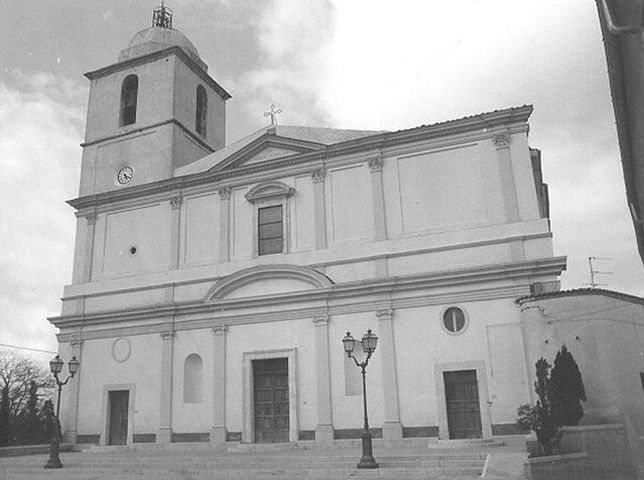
{"points": [[152, 111]]}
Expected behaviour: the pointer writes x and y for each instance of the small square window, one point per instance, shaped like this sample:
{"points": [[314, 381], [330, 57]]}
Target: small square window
{"points": [[270, 230]]}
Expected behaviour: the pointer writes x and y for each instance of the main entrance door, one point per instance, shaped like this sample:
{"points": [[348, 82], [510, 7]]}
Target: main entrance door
{"points": [[462, 397], [118, 407], [271, 400]]}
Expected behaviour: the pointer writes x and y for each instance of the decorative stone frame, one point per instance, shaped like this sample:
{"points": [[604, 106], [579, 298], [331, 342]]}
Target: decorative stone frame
{"points": [[441, 406], [248, 433], [105, 415], [465, 315], [271, 194]]}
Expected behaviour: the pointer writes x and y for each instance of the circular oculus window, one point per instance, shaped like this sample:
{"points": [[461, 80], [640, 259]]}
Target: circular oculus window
{"points": [[454, 320], [121, 349]]}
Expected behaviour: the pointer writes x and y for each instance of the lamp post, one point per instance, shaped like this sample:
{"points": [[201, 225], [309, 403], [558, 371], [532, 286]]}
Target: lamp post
{"points": [[369, 342], [56, 366]]}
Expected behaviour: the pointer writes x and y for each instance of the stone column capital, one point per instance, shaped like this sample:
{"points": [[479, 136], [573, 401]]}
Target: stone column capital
{"points": [[501, 141], [385, 314], [321, 320], [219, 329], [75, 342], [376, 164], [318, 175], [224, 193], [90, 218], [167, 335], [175, 202]]}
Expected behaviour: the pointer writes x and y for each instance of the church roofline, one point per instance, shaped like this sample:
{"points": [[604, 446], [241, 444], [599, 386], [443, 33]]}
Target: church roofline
{"points": [[194, 66], [579, 292], [483, 121]]}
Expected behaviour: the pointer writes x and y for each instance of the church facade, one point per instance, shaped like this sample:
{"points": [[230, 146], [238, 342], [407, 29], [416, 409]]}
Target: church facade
{"points": [[213, 284]]}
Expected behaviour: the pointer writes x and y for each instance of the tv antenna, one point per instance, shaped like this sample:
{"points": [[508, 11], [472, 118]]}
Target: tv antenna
{"points": [[593, 272]]}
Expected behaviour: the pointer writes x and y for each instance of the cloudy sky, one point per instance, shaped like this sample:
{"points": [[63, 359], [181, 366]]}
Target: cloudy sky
{"points": [[365, 64]]}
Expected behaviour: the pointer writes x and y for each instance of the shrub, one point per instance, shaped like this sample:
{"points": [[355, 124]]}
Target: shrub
{"points": [[567, 389]]}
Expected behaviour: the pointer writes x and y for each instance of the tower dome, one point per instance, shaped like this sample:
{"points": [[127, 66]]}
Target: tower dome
{"points": [[160, 36]]}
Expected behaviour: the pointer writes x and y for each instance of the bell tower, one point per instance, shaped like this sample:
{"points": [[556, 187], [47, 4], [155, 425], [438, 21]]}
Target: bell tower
{"points": [[152, 111]]}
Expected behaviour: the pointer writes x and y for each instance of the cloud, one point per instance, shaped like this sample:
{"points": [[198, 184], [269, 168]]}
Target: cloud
{"points": [[40, 129], [292, 37]]}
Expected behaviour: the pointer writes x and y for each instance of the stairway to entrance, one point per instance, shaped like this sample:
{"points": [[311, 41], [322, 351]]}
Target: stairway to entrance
{"points": [[201, 462]]}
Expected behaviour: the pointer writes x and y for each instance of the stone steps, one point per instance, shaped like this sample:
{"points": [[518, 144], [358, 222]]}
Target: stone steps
{"points": [[219, 464]]}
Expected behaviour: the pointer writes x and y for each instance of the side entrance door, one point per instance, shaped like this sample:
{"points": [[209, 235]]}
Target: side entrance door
{"points": [[271, 409], [463, 411], [118, 407]]}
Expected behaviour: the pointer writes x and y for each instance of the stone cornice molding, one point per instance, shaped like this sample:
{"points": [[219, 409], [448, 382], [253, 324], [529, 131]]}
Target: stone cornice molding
{"points": [[478, 125], [501, 141], [114, 286], [143, 59], [127, 131], [219, 329], [267, 140], [321, 320], [318, 175], [270, 189], [266, 272], [226, 308], [367, 306], [175, 202]]}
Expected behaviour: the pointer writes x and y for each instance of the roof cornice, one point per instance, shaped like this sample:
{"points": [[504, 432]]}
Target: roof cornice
{"points": [[491, 121], [577, 292], [133, 62]]}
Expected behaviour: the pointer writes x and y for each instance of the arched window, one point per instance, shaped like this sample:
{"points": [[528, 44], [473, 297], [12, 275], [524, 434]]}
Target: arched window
{"points": [[192, 370], [129, 91], [202, 111]]}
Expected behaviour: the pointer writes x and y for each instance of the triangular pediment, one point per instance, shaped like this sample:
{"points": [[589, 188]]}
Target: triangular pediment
{"points": [[266, 148]]}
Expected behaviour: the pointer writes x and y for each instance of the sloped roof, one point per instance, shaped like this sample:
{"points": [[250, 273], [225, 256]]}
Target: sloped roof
{"points": [[579, 292], [316, 135]]}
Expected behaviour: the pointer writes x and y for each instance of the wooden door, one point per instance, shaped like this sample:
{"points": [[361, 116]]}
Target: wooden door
{"points": [[118, 409], [271, 408], [462, 398]]}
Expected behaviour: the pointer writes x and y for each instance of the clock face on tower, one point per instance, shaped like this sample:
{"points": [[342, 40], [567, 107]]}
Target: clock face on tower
{"points": [[125, 175]]}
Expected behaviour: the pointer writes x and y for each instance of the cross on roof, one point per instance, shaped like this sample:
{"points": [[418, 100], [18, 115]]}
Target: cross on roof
{"points": [[273, 113]]}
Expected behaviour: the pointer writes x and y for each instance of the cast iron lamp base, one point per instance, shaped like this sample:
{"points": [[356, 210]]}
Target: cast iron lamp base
{"points": [[54, 458], [367, 460]]}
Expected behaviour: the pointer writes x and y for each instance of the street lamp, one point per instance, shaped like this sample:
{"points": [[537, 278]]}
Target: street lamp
{"points": [[369, 342], [56, 366]]}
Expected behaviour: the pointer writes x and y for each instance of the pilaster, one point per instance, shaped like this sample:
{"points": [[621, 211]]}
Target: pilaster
{"points": [[70, 435], [175, 229], [378, 198], [218, 431], [164, 433], [392, 428], [90, 220], [324, 428], [224, 224], [318, 177], [510, 201]]}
